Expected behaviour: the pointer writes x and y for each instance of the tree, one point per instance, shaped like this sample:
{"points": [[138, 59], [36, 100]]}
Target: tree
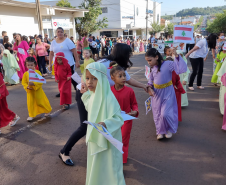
{"points": [[64, 3], [219, 24], [89, 23], [156, 28], [169, 29]]}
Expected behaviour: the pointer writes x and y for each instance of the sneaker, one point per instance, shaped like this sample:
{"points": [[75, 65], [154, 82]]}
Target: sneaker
{"points": [[58, 95], [160, 136], [169, 134], [30, 119]]}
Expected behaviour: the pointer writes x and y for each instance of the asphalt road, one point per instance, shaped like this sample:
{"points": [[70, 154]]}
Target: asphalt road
{"points": [[194, 156]]}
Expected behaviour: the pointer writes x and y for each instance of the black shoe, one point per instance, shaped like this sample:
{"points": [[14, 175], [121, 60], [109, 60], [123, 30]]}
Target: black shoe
{"points": [[68, 162], [58, 95]]}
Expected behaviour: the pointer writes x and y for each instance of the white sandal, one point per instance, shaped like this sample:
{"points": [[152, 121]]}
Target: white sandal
{"points": [[14, 121], [191, 88], [200, 87]]}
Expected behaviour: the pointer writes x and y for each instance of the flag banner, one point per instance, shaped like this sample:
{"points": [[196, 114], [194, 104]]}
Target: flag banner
{"points": [[15, 77], [179, 46], [35, 77], [224, 48], [102, 130], [183, 33], [76, 78], [147, 72], [148, 105], [126, 117]]}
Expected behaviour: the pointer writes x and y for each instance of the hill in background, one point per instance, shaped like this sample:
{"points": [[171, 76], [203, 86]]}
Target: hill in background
{"points": [[197, 11]]}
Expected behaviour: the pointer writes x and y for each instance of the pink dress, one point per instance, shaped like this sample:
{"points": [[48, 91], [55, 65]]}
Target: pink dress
{"points": [[141, 47], [22, 57], [223, 79]]}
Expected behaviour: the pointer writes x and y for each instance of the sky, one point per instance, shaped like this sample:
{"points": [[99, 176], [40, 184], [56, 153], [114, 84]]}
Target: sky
{"points": [[171, 7]]}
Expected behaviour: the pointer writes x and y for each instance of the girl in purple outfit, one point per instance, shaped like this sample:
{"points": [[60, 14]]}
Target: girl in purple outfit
{"points": [[164, 102]]}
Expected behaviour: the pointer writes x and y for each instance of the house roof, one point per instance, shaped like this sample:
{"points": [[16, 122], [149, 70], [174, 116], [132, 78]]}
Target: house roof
{"points": [[33, 5]]}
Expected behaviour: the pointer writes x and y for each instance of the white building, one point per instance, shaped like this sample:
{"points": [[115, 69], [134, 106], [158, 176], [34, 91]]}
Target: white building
{"points": [[124, 14], [20, 17], [178, 20]]}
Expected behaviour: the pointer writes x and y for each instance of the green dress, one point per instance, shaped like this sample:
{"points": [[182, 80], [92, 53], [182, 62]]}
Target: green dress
{"points": [[10, 66], [104, 161], [220, 73], [220, 56]]}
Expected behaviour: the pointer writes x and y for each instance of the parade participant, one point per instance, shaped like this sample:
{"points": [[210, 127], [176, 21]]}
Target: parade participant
{"points": [[63, 44], [184, 81], [10, 66], [104, 161], [37, 102], [7, 117], [179, 90], [127, 101], [79, 47], [141, 46], [223, 80], [41, 52], [87, 59], [197, 57], [121, 54], [212, 39], [86, 44], [220, 73], [7, 44], [164, 103], [63, 78], [20, 48], [2, 48], [31, 53], [219, 61]]}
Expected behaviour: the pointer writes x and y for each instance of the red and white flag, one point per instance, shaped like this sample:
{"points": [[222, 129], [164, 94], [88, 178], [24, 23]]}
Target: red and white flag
{"points": [[35, 77], [183, 34]]}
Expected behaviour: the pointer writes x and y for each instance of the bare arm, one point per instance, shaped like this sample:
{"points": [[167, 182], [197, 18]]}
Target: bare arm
{"points": [[213, 53], [135, 83], [51, 54], [74, 51], [191, 51]]}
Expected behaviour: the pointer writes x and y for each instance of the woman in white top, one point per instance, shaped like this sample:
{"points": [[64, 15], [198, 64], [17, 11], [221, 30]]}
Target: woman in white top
{"points": [[197, 57], [65, 45]]}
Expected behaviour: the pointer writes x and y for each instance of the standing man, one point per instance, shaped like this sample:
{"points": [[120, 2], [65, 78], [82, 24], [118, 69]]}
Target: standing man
{"points": [[4, 33], [46, 36], [14, 38], [98, 46]]}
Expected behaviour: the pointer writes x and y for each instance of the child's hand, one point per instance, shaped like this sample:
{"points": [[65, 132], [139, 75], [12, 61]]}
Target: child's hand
{"points": [[217, 60], [68, 78], [133, 113], [31, 84], [151, 91], [84, 88], [184, 83], [57, 81], [29, 88], [175, 52], [103, 124]]}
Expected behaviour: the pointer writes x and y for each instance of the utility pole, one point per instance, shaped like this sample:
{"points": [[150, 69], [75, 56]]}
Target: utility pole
{"points": [[38, 10], [147, 20]]}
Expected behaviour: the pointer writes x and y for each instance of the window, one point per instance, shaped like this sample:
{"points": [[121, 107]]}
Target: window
{"points": [[104, 9], [109, 33], [45, 31], [128, 33], [51, 35], [46, 19]]}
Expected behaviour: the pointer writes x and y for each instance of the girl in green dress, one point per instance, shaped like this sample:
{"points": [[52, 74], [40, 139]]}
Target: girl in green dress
{"points": [[104, 161]]}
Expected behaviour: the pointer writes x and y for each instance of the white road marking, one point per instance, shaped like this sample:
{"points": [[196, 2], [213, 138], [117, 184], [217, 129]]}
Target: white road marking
{"points": [[137, 72]]}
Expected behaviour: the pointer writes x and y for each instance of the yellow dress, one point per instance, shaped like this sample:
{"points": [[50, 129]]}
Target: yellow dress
{"points": [[37, 102]]}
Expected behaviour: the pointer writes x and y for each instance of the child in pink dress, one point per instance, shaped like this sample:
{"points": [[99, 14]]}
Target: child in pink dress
{"points": [[141, 46]]}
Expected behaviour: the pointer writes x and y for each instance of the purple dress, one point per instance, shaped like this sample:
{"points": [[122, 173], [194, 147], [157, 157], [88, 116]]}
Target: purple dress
{"points": [[164, 102]]}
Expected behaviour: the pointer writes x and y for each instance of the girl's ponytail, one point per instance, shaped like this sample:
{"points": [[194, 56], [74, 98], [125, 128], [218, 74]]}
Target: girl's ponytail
{"points": [[153, 53]]}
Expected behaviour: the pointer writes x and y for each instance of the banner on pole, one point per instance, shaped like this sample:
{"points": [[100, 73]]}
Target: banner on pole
{"points": [[183, 33]]}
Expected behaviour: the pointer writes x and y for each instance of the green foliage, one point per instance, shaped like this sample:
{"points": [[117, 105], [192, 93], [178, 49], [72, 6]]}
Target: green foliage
{"points": [[169, 29], [156, 28], [64, 3], [198, 23], [201, 11], [167, 17], [219, 24], [89, 23]]}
